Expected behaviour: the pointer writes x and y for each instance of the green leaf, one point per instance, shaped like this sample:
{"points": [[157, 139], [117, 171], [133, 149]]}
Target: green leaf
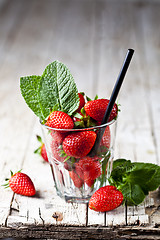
{"points": [[30, 91], [88, 99], [39, 138], [103, 177], [120, 168], [38, 150], [58, 88], [77, 115], [79, 124], [83, 111], [121, 163], [135, 180], [150, 173], [96, 97], [133, 193]]}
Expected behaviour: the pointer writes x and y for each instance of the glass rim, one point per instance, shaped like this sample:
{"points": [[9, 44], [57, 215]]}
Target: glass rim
{"points": [[78, 129]]}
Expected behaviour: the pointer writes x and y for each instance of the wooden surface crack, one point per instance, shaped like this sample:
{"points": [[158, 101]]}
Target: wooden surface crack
{"points": [[10, 210]]}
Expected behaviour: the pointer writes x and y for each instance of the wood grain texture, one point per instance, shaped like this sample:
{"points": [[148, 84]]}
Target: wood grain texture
{"points": [[91, 37]]}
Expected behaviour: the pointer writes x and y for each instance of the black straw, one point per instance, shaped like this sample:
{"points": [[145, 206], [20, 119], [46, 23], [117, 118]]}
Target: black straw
{"points": [[113, 99]]}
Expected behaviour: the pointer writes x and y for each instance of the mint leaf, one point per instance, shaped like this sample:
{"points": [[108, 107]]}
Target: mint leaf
{"points": [[133, 193], [54, 90], [150, 173], [135, 180], [58, 89], [30, 91], [120, 168], [121, 163]]}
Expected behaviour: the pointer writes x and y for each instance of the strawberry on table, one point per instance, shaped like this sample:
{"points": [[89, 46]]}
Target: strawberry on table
{"points": [[44, 153], [42, 149], [106, 199], [60, 120], [21, 183], [96, 109], [79, 144]]}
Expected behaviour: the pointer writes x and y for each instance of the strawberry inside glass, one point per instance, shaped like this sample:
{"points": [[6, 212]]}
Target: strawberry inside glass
{"points": [[69, 142]]}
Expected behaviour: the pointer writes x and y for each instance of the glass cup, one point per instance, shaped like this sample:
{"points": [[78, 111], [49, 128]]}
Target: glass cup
{"points": [[77, 178]]}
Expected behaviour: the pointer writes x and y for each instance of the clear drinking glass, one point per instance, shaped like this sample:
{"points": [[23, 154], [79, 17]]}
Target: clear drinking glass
{"points": [[76, 179]]}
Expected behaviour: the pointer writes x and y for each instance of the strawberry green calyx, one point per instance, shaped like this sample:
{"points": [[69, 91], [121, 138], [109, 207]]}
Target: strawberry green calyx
{"points": [[83, 120], [89, 99], [41, 150], [6, 184], [38, 150]]}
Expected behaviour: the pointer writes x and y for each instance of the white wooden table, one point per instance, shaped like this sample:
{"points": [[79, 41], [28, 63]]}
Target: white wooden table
{"points": [[91, 37]]}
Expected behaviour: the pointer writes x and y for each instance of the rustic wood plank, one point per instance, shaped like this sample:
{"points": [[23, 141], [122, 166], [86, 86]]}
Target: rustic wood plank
{"points": [[91, 37], [141, 125], [46, 203], [14, 136], [75, 44], [69, 232], [27, 205], [145, 148], [12, 17], [152, 58], [134, 138]]}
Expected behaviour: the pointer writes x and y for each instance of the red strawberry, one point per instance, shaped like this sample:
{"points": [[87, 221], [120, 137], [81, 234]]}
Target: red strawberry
{"points": [[106, 199], [56, 144], [106, 138], [96, 109], [56, 150], [44, 153], [42, 149], [79, 144], [59, 135], [60, 120], [88, 169], [22, 184], [78, 182], [81, 101], [89, 181]]}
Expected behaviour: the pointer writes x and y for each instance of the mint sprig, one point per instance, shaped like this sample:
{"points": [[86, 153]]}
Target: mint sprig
{"points": [[54, 90], [30, 86], [135, 179]]}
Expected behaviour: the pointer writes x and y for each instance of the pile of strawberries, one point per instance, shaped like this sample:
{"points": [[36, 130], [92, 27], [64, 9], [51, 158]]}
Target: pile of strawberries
{"points": [[73, 138]]}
